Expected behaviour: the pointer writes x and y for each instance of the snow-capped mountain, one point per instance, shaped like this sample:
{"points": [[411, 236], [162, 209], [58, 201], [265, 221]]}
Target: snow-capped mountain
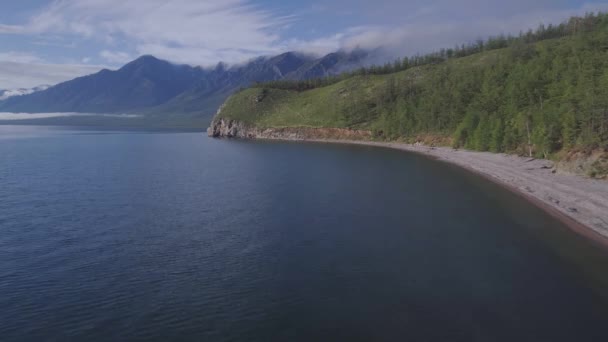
{"points": [[5, 94]]}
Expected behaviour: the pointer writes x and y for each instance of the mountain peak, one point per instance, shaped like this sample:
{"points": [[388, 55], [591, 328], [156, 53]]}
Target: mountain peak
{"points": [[149, 82], [147, 58], [144, 60]]}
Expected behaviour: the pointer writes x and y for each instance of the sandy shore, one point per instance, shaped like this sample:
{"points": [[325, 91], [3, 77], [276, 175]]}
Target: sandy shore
{"points": [[581, 203]]}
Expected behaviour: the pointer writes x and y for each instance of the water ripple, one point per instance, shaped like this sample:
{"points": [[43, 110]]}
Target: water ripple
{"points": [[128, 237]]}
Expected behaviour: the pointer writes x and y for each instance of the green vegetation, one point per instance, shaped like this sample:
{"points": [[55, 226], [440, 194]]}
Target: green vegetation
{"points": [[320, 107], [571, 27], [536, 94]]}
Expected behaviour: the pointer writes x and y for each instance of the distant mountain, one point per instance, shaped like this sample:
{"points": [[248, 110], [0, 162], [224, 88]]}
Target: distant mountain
{"points": [[145, 82], [332, 64], [6, 93], [219, 83], [164, 91]]}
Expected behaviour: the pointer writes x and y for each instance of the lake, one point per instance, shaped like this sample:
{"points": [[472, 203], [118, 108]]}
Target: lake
{"points": [[159, 236]]}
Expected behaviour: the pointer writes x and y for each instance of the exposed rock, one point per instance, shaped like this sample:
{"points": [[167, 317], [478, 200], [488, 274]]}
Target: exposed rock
{"points": [[227, 128], [592, 164]]}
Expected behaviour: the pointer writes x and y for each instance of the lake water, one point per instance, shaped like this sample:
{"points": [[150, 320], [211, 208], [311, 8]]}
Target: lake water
{"points": [[156, 236]]}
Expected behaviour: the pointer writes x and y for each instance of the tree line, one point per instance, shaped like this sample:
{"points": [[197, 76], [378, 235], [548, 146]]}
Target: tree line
{"points": [[520, 43], [534, 95], [532, 99]]}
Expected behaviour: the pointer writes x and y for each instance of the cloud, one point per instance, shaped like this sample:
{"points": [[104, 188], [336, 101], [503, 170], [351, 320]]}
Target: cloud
{"points": [[431, 25], [117, 57], [205, 32], [11, 29], [20, 57], [318, 46], [233, 29], [23, 70], [16, 74], [33, 116]]}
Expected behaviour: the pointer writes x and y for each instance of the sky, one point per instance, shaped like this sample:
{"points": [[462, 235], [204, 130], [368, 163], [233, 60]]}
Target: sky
{"points": [[50, 41]]}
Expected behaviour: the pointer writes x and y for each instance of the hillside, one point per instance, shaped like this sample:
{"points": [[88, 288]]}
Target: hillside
{"points": [[537, 96]]}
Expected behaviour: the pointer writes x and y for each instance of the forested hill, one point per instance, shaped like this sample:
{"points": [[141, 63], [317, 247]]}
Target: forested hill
{"points": [[542, 92]]}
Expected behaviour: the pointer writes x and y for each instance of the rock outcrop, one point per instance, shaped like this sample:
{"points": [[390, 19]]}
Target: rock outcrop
{"points": [[226, 128], [222, 128]]}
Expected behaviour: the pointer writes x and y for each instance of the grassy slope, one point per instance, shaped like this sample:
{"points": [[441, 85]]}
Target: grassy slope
{"points": [[321, 107], [326, 106]]}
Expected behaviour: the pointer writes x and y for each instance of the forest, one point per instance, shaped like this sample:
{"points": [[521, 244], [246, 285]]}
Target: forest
{"points": [[535, 94]]}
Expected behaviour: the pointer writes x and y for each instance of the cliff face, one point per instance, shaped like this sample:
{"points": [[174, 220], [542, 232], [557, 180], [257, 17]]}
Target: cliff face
{"points": [[222, 128], [227, 128]]}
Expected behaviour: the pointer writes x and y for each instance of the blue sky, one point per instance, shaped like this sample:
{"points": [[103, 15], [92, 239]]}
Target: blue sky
{"points": [[47, 41]]}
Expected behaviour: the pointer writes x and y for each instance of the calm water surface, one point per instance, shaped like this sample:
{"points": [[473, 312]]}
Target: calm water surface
{"points": [[129, 236]]}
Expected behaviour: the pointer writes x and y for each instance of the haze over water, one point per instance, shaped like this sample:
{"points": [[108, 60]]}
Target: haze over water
{"points": [[125, 236]]}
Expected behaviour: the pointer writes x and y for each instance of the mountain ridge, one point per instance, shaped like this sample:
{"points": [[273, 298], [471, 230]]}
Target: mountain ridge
{"points": [[161, 90]]}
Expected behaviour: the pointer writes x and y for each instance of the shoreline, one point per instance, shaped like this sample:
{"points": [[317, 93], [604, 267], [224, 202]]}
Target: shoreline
{"points": [[579, 203]]}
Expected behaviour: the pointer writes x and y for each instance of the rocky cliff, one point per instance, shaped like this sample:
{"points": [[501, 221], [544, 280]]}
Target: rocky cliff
{"points": [[227, 128]]}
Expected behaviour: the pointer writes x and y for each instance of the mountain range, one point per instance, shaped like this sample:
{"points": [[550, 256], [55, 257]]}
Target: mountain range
{"points": [[162, 91]]}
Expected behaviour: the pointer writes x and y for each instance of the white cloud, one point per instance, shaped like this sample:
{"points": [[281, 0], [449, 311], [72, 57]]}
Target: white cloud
{"points": [[116, 57], [317, 46], [19, 57], [439, 24], [16, 74], [32, 116], [12, 29], [204, 32], [180, 29], [22, 70]]}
